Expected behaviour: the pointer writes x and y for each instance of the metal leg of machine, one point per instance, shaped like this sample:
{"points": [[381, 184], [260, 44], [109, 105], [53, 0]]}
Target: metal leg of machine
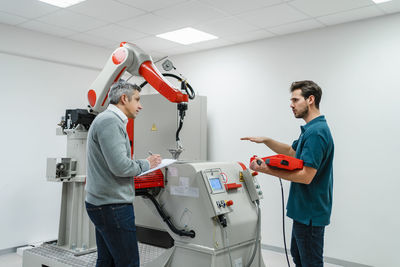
{"points": [[76, 235]]}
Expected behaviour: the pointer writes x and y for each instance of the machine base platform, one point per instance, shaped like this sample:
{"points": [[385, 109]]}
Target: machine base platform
{"points": [[49, 255]]}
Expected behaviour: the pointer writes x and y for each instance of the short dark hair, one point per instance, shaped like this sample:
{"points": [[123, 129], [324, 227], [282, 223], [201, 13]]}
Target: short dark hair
{"points": [[122, 87], [308, 88]]}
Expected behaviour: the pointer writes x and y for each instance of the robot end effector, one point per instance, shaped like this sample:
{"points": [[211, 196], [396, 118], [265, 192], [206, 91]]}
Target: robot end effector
{"points": [[129, 57]]}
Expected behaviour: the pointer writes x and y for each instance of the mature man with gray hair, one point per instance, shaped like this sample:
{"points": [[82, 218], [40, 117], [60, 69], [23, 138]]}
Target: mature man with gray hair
{"points": [[110, 189]]}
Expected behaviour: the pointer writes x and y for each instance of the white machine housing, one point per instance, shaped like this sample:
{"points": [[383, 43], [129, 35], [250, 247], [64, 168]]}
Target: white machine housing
{"points": [[195, 197]]}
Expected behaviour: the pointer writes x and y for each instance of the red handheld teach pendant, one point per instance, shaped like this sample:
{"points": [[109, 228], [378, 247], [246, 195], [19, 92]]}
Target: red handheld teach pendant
{"points": [[282, 162]]}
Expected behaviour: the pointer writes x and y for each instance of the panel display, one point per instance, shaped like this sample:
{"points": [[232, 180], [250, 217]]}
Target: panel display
{"points": [[215, 183]]}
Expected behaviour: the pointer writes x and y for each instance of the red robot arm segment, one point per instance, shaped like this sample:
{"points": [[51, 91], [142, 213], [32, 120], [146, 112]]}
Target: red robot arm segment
{"points": [[155, 79]]}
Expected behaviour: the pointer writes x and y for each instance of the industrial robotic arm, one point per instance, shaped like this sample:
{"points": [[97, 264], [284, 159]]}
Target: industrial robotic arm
{"points": [[129, 57], [196, 205]]}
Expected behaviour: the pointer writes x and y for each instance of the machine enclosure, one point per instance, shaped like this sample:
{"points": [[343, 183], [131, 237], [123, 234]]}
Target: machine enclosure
{"points": [[155, 131]]}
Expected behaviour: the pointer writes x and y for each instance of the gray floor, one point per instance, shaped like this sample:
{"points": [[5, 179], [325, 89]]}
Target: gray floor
{"points": [[271, 259]]}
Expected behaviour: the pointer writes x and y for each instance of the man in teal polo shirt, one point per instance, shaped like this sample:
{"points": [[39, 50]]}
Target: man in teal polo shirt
{"points": [[310, 197]]}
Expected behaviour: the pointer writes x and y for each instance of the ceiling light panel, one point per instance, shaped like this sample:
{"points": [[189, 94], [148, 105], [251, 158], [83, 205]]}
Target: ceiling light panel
{"points": [[381, 1], [187, 36], [62, 3]]}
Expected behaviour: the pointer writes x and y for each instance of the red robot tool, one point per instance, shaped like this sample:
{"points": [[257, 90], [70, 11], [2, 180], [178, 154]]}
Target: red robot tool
{"points": [[281, 162]]}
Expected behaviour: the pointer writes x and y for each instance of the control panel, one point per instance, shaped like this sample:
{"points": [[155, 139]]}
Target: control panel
{"points": [[217, 192], [253, 187]]}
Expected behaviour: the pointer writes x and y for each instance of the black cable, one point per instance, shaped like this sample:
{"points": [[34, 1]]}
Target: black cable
{"points": [[164, 216], [179, 129], [283, 222], [182, 107]]}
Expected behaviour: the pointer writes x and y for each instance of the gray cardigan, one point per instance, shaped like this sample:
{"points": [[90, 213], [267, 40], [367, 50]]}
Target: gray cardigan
{"points": [[110, 169]]}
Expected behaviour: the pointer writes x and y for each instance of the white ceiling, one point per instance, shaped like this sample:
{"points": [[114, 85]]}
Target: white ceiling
{"points": [[106, 23]]}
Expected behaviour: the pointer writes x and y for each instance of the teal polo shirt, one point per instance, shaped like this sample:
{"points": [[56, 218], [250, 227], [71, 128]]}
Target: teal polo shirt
{"points": [[312, 204]]}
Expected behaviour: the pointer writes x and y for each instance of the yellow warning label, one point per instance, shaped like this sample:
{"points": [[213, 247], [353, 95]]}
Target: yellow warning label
{"points": [[154, 127]]}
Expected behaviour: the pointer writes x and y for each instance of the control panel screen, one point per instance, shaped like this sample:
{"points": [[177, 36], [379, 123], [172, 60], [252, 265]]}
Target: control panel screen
{"points": [[215, 183]]}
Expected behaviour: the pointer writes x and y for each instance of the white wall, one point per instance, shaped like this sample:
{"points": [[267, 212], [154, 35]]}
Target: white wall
{"points": [[357, 65], [35, 94]]}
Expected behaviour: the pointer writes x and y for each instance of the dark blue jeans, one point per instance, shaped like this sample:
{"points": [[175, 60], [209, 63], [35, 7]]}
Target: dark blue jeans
{"points": [[307, 245], [115, 235]]}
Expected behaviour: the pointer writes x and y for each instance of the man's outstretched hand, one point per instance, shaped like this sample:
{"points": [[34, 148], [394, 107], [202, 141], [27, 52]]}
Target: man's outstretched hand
{"points": [[255, 139]]}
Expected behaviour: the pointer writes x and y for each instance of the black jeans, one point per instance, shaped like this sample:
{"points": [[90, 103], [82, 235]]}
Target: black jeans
{"points": [[115, 235], [307, 245]]}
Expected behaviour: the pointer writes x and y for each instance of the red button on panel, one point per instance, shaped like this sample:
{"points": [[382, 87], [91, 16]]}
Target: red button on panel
{"points": [[229, 203]]}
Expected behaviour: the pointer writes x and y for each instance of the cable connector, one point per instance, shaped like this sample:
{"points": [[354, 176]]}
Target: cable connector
{"points": [[222, 220]]}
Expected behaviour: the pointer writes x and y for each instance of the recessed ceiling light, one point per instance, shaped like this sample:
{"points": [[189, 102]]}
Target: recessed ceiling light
{"points": [[187, 36], [62, 3], [380, 1]]}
